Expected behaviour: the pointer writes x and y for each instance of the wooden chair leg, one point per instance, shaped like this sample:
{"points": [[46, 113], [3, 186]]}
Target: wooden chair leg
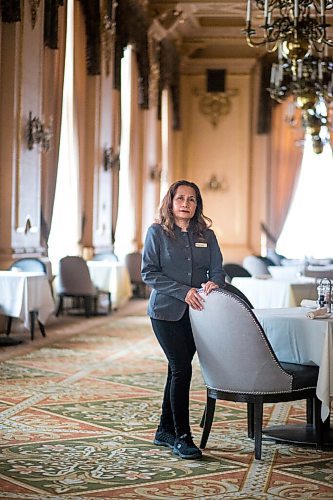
{"points": [[258, 415], [309, 411], [87, 306], [60, 306], [320, 427], [32, 324], [250, 420], [42, 328], [203, 418], [110, 303], [9, 325], [95, 302], [210, 409]]}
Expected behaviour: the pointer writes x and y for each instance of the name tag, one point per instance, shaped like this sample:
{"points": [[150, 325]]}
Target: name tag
{"points": [[201, 245]]}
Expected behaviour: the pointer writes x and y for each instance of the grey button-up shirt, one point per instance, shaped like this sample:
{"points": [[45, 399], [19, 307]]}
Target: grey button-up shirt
{"points": [[171, 266]]}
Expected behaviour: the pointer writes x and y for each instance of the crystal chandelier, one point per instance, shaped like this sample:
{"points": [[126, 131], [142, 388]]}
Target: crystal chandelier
{"points": [[310, 84], [296, 25], [305, 79]]}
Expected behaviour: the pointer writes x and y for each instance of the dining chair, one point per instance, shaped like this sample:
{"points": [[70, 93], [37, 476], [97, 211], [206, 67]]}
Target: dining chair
{"points": [[234, 270], [256, 265], [74, 281], [133, 264], [238, 364], [29, 264]]}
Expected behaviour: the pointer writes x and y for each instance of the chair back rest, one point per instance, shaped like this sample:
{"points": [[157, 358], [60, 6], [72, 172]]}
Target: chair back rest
{"points": [[234, 270], [29, 264], [133, 264], [255, 265], [234, 352], [74, 277]]}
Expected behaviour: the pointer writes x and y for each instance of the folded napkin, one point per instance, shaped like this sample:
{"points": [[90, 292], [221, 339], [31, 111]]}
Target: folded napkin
{"points": [[311, 304], [317, 313]]}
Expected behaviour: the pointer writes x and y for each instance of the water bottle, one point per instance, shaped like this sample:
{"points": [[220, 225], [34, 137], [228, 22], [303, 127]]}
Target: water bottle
{"points": [[321, 294]]}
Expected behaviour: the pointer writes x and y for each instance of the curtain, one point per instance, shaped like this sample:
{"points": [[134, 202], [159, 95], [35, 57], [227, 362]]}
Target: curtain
{"points": [[79, 97], [285, 164], [135, 153], [53, 76], [116, 135]]}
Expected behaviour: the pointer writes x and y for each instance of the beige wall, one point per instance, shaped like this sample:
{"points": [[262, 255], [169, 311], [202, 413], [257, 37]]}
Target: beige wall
{"points": [[234, 154]]}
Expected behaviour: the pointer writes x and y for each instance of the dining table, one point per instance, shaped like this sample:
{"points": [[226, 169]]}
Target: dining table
{"points": [[112, 277], [295, 338], [26, 295], [267, 292]]}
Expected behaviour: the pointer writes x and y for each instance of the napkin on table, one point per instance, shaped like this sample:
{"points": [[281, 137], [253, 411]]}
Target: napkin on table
{"points": [[317, 313]]}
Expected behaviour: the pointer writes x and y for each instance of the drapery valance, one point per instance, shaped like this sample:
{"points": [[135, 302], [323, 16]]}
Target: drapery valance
{"points": [[10, 11], [170, 78], [132, 28]]}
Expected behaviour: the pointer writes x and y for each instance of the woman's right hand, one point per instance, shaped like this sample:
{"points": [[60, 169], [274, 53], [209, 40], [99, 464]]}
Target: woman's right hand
{"points": [[194, 300]]}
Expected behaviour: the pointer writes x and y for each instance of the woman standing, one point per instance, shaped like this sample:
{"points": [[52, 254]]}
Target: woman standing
{"points": [[180, 255]]}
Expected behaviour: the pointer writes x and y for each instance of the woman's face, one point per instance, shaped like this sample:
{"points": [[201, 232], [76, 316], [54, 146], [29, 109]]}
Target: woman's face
{"points": [[184, 204]]}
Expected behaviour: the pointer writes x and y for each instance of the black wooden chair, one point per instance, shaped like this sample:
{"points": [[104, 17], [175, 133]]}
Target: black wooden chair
{"points": [[234, 270]]}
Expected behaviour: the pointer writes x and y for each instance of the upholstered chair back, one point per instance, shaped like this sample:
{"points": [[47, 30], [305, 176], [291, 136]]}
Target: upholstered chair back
{"points": [[234, 352], [74, 277], [255, 265]]}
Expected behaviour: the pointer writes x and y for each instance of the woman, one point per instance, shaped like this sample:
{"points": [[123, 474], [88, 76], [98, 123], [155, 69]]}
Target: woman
{"points": [[180, 255]]}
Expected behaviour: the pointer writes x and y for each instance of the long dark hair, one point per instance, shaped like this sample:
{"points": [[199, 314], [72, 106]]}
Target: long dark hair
{"points": [[199, 221]]}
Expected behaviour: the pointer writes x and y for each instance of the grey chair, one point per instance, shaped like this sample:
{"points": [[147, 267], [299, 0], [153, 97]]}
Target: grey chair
{"points": [[74, 281], [238, 364], [29, 264], [256, 265], [133, 264]]}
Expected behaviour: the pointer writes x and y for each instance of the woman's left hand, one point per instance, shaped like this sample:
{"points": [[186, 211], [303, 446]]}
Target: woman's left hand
{"points": [[209, 286]]}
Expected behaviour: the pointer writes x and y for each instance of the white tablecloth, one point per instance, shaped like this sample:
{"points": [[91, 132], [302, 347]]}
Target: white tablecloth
{"points": [[266, 293], [22, 292], [297, 339], [112, 277]]}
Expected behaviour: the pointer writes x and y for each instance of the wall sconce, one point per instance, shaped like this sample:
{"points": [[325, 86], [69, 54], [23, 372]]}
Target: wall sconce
{"points": [[37, 133], [111, 160], [214, 104], [215, 185], [155, 172]]}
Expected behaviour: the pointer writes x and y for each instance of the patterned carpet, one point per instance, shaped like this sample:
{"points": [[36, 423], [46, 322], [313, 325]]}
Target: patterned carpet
{"points": [[78, 416]]}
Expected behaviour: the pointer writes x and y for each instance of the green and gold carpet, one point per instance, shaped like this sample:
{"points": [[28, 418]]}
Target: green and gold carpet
{"points": [[78, 416]]}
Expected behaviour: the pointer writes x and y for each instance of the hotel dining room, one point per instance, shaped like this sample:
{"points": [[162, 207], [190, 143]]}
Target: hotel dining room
{"points": [[104, 104]]}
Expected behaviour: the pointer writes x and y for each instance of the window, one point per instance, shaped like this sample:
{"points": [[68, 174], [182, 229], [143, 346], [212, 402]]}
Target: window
{"points": [[307, 231], [124, 230], [64, 233]]}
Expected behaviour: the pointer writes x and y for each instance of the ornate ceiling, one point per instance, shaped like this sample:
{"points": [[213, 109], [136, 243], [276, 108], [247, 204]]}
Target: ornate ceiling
{"points": [[207, 32]]}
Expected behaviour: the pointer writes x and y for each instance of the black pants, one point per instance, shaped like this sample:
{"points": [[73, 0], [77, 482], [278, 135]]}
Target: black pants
{"points": [[176, 340]]}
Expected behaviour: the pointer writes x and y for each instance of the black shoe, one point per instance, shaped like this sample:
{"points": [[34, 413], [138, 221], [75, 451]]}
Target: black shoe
{"points": [[164, 438], [185, 448]]}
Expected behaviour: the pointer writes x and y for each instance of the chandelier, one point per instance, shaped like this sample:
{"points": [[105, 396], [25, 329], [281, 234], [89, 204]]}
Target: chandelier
{"points": [[313, 119], [305, 79], [296, 25], [310, 84]]}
